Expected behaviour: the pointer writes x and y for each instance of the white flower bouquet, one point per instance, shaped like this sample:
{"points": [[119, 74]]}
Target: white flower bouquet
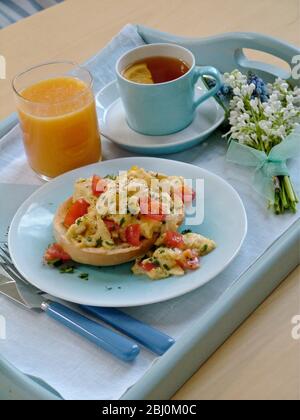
{"points": [[264, 132]]}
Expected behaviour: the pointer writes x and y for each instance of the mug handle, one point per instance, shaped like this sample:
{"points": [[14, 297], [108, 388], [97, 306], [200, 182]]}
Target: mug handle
{"points": [[207, 71]]}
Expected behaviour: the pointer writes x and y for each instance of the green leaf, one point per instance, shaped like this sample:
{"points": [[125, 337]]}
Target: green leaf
{"points": [[84, 276]]}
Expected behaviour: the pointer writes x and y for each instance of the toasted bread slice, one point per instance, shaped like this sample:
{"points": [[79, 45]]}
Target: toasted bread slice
{"points": [[96, 256]]}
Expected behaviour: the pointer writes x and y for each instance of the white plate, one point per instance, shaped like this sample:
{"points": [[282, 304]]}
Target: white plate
{"points": [[113, 125], [31, 232]]}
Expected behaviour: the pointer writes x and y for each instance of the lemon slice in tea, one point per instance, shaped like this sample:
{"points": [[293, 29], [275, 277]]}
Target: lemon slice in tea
{"points": [[138, 73]]}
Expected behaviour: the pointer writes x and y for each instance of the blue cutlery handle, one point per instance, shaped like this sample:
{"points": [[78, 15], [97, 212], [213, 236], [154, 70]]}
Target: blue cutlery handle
{"points": [[151, 338], [109, 340]]}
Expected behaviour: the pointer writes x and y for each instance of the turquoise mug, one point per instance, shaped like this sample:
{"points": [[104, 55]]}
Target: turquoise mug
{"points": [[163, 108]]}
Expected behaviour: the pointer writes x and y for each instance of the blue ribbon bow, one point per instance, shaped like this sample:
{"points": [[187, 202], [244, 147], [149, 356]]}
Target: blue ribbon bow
{"points": [[266, 166]]}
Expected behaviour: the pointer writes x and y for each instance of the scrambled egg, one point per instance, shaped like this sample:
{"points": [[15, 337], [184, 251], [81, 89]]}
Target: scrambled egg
{"points": [[198, 242], [107, 219], [91, 230], [164, 262], [83, 189]]}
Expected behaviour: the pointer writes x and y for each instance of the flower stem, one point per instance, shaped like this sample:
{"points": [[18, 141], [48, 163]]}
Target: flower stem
{"points": [[289, 188], [276, 203], [285, 197], [276, 183], [296, 196]]}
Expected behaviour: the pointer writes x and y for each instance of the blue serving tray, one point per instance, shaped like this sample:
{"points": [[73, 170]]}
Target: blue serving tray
{"points": [[168, 374]]}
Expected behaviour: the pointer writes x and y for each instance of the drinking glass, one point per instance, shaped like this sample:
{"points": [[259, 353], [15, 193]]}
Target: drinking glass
{"points": [[57, 114]]}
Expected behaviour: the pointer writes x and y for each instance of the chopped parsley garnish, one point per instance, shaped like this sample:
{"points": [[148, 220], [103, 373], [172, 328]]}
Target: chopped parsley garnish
{"points": [[99, 243], [67, 269], [112, 177], [84, 276], [154, 261], [54, 263], [204, 248], [166, 267], [78, 221], [122, 221], [184, 232]]}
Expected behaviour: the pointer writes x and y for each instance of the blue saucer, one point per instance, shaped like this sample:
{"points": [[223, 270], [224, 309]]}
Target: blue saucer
{"points": [[114, 127]]}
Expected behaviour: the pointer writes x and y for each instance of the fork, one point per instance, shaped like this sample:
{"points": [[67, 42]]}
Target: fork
{"points": [[151, 338], [18, 289]]}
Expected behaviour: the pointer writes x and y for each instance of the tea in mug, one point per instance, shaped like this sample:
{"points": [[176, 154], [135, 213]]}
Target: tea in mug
{"points": [[159, 69]]}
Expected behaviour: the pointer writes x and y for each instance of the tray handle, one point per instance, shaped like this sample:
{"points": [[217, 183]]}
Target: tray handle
{"points": [[225, 51]]}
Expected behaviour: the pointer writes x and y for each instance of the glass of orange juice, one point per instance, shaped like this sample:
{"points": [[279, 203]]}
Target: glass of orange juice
{"points": [[57, 113]]}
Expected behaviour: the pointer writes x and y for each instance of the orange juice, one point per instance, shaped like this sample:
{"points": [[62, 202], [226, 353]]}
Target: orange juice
{"points": [[59, 123]]}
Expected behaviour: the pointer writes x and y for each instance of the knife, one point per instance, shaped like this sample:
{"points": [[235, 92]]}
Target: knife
{"points": [[151, 338], [31, 298]]}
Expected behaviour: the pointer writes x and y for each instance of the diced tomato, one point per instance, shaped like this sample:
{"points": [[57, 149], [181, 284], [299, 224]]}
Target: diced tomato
{"points": [[55, 252], [189, 195], [190, 253], [189, 260], [145, 205], [192, 264], [95, 181], [186, 194], [173, 239], [110, 224], [98, 185], [157, 217], [77, 209], [133, 234], [147, 266]]}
